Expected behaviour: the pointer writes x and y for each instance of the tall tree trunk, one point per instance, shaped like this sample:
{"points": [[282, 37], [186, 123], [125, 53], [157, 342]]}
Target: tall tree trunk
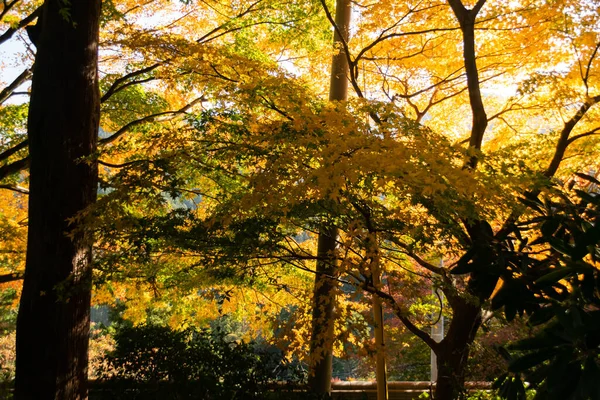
{"points": [[53, 320], [453, 352], [321, 343], [380, 365]]}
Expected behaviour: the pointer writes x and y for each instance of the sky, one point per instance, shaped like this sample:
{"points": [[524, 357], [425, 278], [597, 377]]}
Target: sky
{"points": [[13, 61]]}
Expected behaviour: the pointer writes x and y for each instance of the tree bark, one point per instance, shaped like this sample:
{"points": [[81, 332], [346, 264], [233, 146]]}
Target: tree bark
{"points": [[466, 19], [453, 352], [321, 342], [53, 319]]}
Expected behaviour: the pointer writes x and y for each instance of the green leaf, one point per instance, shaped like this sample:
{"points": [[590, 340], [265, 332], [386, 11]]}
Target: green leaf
{"points": [[510, 311], [542, 315], [532, 202], [560, 246], [499, 380], [550, 226], [590, 198], [530, 360], [504, 353], [552, 277], [590, 379], [563, 378]]}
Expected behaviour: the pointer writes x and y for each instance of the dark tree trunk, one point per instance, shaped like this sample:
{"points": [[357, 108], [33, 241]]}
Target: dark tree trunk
{"points": [[53, 320], [321, 342], [453, 352]]}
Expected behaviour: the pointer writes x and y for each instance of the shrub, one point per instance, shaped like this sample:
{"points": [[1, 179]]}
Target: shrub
{"points": [[156, 362]]}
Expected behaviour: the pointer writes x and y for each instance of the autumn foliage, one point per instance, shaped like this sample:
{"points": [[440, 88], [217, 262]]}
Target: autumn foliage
{"points": [[221, 158]]}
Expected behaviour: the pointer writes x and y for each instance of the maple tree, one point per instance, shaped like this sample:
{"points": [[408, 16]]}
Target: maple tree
{"points": [[143, 115], [485, 265], [219, 167]]}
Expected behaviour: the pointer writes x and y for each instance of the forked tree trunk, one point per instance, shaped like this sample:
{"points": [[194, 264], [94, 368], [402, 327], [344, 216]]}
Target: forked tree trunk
{"points": [[53, 320], [321, 343], [453, 352]]}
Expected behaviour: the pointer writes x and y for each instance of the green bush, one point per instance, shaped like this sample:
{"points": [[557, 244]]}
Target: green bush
{"points": [[156, 362]]}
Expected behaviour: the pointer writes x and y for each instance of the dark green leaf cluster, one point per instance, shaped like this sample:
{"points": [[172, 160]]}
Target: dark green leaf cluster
{"points": [[156, 362], [560, 291]]}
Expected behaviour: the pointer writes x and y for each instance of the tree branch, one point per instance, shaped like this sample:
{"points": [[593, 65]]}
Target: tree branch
{"points": [[24, 22], [18, 81], [563, 140], [162, 116], [559, 153], [401, 314], [15, 276], [7, 153], [121, 83], [594, 131], [586, 77], [15, 188], [466, 19], [7, 7], [14, 167]]}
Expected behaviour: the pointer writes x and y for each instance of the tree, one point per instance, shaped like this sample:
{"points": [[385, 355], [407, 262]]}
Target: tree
{"points": [[321, 342], [437, 192], [120, 88], [62, 132], [400, 172], [446, 188]]}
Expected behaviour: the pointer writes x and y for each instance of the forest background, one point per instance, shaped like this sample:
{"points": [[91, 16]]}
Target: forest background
{"points": [[223, 171]]}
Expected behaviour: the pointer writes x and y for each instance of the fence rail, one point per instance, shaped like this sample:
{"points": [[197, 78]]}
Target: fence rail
{"points": [[346, 390], [397, 390]]}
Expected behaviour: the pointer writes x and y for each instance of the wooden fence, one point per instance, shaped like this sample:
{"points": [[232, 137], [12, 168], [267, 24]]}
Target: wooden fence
{"points": [[360, 390], [347, 390]]}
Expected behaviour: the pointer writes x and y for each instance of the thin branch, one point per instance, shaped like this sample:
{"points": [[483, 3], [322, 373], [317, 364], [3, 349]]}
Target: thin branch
{"points": [[559, 154], [271, 104], [7, 7], [251, 8], [383, 38], [123, 165], [220, 75], [428, 266], [24, 22], [589, 67], [121, 83], [14, 167], [563, 140], [158, 117], [594, 131], [7, 153], [15, 188], [15, 276], [18, 81], [401, 314]]}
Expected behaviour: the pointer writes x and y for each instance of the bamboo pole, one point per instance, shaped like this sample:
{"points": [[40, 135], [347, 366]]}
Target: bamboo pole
{"points": [[380, 373]]}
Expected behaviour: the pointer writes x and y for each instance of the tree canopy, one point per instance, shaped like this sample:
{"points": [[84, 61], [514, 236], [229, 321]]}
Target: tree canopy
{"points": [[221, 158]]}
